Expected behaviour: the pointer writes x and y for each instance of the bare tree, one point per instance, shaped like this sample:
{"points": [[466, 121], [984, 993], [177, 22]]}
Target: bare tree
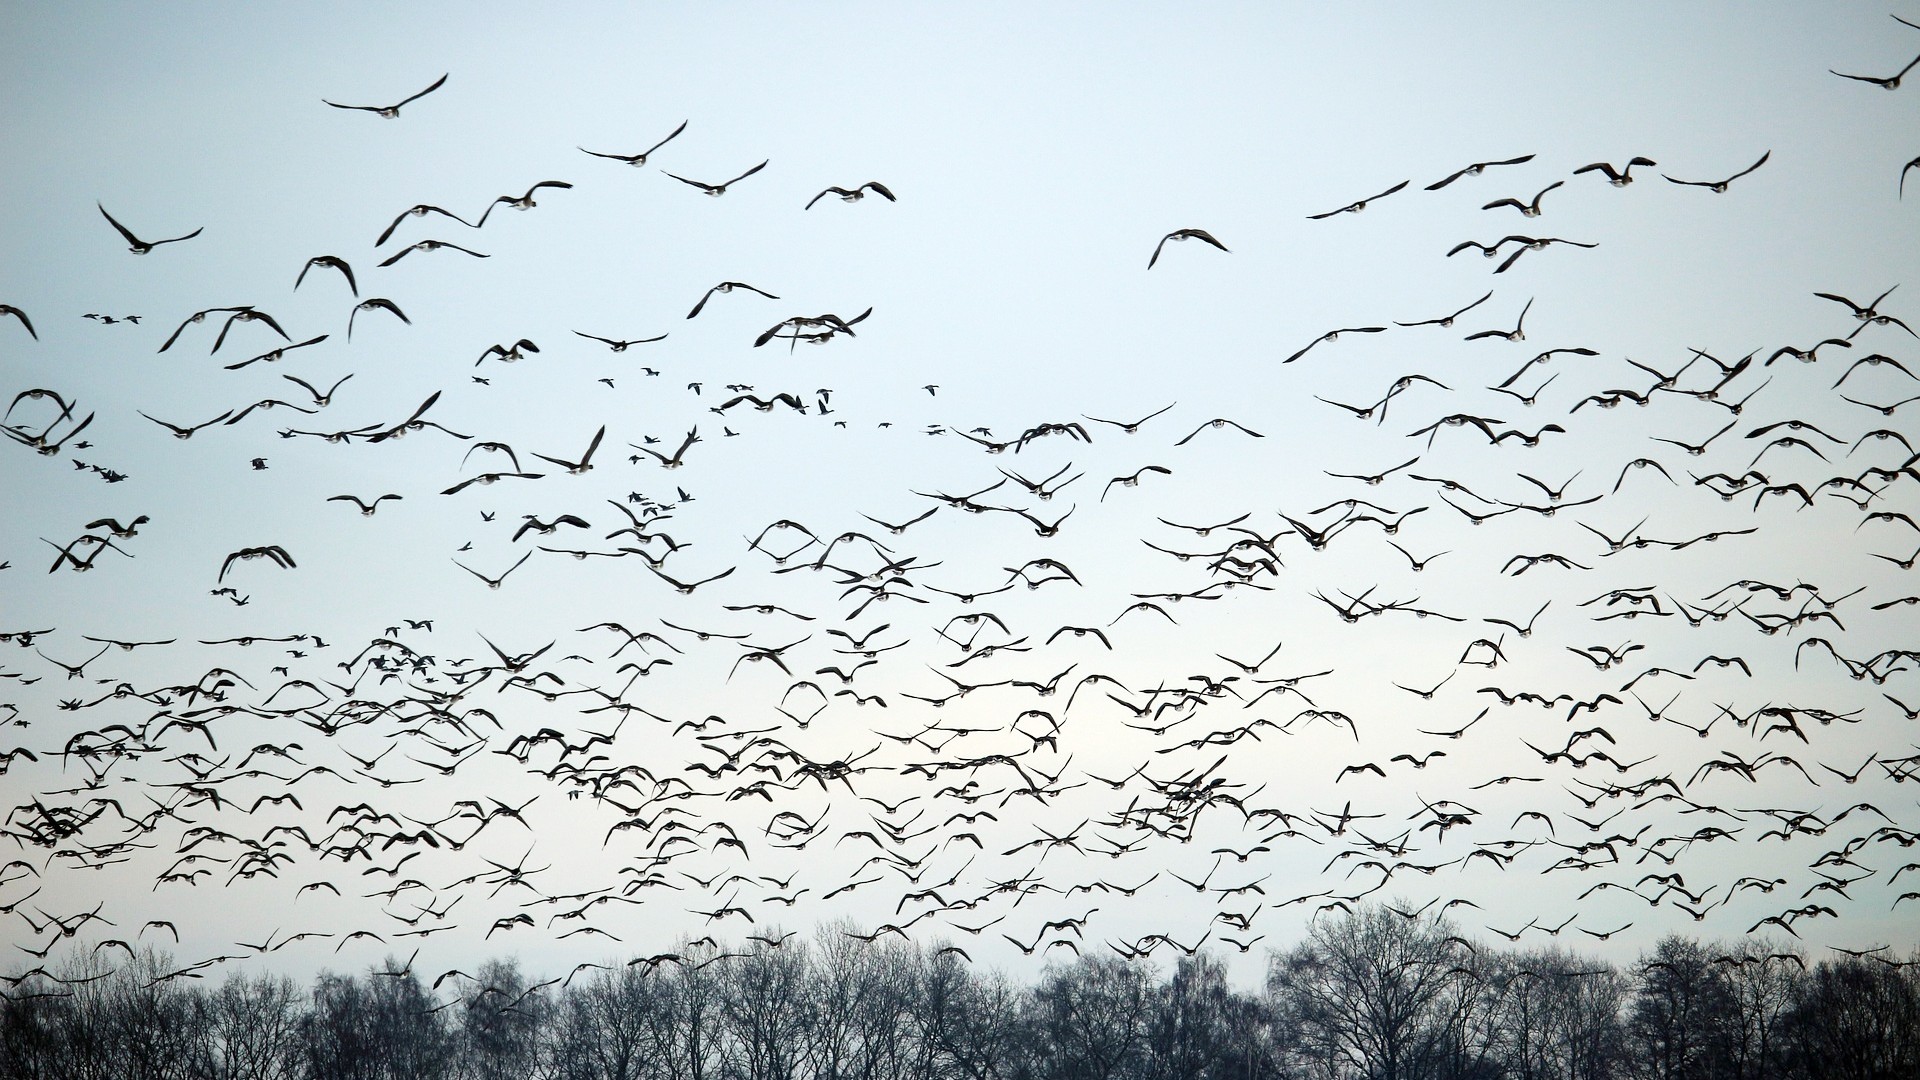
{"points": [[764, 999], [1089, 1019], [1683, 1014], [251, 1029], [1362, 995], [1857, 1019]]}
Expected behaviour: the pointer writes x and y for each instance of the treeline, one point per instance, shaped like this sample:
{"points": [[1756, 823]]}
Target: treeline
{"points": [[1371, 995]]}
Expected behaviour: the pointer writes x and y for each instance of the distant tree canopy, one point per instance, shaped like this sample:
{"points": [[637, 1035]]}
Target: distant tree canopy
{"points": [[1372, 995]]}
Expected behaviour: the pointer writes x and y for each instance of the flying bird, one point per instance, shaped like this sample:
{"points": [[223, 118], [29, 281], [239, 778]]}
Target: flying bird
{"points": [[1720, 186], [618, 345], [9, 309], [366, 508], [419, 210], [851, 194], [426, 245], [520, 202], [330, 262], [717, 190], [1359, 204], [1476, 169], [1178, 235], [639, 159], [378, 303], [727, 287], [1617, 177], [137, 245], [273, 552], [1890, 82], [391, 112]]}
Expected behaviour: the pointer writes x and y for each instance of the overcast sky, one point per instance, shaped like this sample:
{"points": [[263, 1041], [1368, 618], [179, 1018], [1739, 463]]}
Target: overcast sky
{"points": [[1038, 156]]}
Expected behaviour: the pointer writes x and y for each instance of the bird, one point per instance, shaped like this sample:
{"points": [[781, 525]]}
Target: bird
{"points": [[1180, 235], [1130, 427], [1904, 170], [1518, 333], [418, 210], [9, 309], [619, 345], [391, 112], [366, 508], [272, 552], [137, 245], [378, 303], [639, 159], [1530, 208], [426, 245], [186, 432], [329, 262], [519, 202], [493, 582], [1218, 422], [727, 287], [1476, 169], [1890, 82], [851, 194], [1359, 204], [1720, 186], [1447, 320], [1333, 335], [586, 460], [717, 190], [1617, 177]]}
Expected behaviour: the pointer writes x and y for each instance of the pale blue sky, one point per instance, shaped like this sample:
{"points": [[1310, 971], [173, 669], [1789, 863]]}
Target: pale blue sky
{"points": [[1038, 155]]}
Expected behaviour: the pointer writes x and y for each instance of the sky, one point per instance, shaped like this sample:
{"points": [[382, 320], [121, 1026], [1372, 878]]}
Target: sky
{"points": [[1037, 157]]}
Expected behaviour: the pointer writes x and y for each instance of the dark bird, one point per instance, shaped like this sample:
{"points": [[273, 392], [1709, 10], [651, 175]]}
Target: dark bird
{"points": [[488, 478], [330, 262], [493, 582], [1134, 426], [273, 552], [639, 159], [1476, 169], [851, 194], [617, 345], [1359, 204], [1518, 333], [717, 190], [519, 202], [378, 303], [1447, 320], [1333, 335], [727, 287], [366, 507], [1890, 82], [1871, 312], [586, 460], [1218, 422], [1616, 177], [1719, 186], [1180, 235], [137, 245], [418, 210], [180, 432], [427, 245], [9, 309], [1133, 480], [391, 112], [1530, 208]]}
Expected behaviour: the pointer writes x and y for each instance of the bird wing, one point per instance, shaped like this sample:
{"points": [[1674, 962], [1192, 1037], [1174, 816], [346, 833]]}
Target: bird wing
{"points": [[131, 239], [437, 84]]}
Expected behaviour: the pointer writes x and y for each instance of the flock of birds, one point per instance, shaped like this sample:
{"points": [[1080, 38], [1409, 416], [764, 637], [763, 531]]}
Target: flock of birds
{"points": [[905, 724]]}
